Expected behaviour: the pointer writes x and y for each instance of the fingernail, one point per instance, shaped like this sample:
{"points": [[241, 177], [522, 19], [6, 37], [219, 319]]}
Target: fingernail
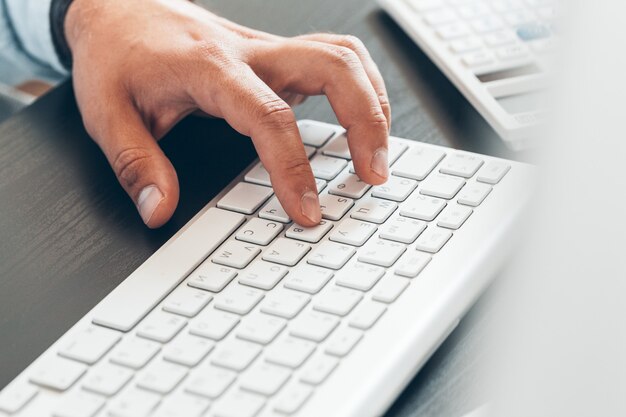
{"points": [[149, 199], [311, 206], [380, 163]]}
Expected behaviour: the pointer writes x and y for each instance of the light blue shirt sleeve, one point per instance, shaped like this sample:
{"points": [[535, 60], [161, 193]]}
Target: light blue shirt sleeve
{"points": [[26, 47]]}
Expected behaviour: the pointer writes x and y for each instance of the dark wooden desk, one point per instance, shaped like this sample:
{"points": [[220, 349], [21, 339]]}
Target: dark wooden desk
{"points": [[69, 234]]}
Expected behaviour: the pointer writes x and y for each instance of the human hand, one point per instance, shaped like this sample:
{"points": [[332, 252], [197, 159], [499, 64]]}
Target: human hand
{"points": [[141, 66]]}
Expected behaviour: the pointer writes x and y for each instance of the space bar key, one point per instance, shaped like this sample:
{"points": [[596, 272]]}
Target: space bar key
{"points": [[156, 277]]}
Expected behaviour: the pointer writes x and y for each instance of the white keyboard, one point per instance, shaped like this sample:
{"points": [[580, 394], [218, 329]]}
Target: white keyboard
{"points": [[498, 53], [243, 313]]}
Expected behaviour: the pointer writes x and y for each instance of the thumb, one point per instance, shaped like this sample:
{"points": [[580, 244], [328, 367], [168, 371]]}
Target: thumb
{"points": [[140, 165]]}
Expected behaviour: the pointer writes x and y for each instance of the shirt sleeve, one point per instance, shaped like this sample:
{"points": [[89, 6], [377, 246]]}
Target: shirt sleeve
{"points": [[30, 21]]}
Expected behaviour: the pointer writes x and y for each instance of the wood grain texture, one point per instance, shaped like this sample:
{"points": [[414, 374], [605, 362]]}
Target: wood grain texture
{"points": [[69, 234]]}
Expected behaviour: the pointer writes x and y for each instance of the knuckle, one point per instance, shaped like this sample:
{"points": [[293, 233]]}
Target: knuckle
{"points": [[344, 57], [352, 42], [276, 113], [129, 165], [213, 53]]}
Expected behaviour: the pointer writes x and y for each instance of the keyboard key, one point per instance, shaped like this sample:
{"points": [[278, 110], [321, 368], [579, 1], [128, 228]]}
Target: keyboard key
{"points": [[161, 377], [134, 353], [360, 276], [107, 379], [533, 31], [478, 58], [134, 403], [512, 52], [239, 404], [518, 17], [187, 350], [433, 239], [320, 184], [273, 210], [15, 397], [473, 194], [308, 278], [395, 150], [264, 378], [412, 263], [258, 175], [238, 299], [314, 133], [353, 232], [461, 46], [343, 341], [259, 231], [263, 275], [290, 352], [337, 300], [310, 151], [245, 198], [395, 189], [235, 254], [79, 404], [381, 252], [338, 147], [425, 5], [326, 167], [213, 324], [186, 301], [367, 314], [389, 289], [348, 185], [422, 208], [484, 24], [417, 162], [181, 404], [57, 373], [292, 398], [439, 16], [499, 38], [402, 229], [284, 303], [309, 234], [235, 354], [211, 277], [160, 326], [460, 164], [260, 328], [442, 186], [313, 326], [472, 10], [493, 172], [331, 255], [210, 381], [334, 207], [452, 31], [90, 344], [286, 251], [373, 210], [318, 369], [453, 216]]}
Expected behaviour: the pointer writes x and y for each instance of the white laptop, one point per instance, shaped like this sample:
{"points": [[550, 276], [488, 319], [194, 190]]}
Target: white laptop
{"points": [[496, 52], [243, 313]]}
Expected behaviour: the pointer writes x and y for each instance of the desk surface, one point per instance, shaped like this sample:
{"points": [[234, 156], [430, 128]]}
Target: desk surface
{"points": [[69, 234]]}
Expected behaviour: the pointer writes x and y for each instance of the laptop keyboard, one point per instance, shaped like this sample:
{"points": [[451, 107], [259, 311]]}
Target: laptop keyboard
{"points": [[272, 308]]}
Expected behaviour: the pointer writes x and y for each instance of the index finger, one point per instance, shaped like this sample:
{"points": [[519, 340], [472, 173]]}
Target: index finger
{"points": [[313, 68], [254, 110]]}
